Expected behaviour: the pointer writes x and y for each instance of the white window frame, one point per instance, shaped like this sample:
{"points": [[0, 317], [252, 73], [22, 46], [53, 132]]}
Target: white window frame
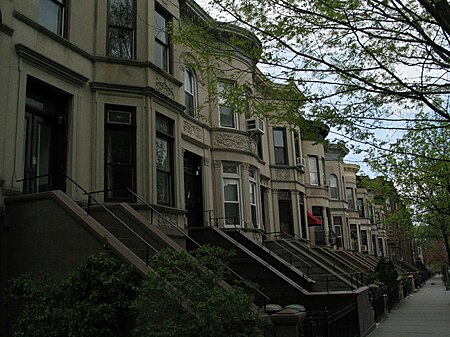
{"points": [[313, 167], [334, 178], [235, 179], [221, 87], [254, 198], [190, 81]]}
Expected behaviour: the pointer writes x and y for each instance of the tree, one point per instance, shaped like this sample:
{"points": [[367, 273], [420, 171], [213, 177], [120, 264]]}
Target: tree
{"points": [[360, 65], [421, 172], [95, 300], [182, 296], [210, 307]]}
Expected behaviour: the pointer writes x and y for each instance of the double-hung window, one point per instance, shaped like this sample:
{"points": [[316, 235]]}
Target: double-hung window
{"points": [[121, 27], [313, 166], [350, 198], [334, 190], [280, 148], [164, 161], [162, 43], [232, 194], [52, 15], [254, 199], [227, 113], [189, 92]]}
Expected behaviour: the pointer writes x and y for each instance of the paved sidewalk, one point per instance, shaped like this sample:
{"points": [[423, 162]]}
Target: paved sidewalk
{"points": [[424, 314]]}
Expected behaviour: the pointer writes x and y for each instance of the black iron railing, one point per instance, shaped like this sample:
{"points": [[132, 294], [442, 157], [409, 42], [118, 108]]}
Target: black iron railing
{"points": [[153, 210], [342, 322]]}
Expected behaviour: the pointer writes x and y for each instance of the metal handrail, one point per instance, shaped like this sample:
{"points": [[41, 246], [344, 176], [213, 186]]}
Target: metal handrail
{"points": [[153, 209], [264, 234], [147, 245]]}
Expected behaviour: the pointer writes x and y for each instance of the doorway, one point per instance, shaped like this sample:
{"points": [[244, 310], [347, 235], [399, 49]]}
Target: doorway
{"points": [[193, 190], [45, 138], [285, 212]]}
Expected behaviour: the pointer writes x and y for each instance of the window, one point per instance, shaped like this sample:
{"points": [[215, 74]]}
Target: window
{"points": [[162, 47], [164, 161], [364, 240], [360, 207], [298, 152], [334, 191], [227, 116], [313, 166], [285, 212], [353, 237], [121, 28], [52, 15], [189, 92], [231, 194], [120, 152], [253, 199], [350, 199], [279, 141], [337, 223], [318, 230]]}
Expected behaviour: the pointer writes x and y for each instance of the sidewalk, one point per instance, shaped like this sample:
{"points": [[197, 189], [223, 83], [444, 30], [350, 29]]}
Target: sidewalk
{"points": [[424, 314]]}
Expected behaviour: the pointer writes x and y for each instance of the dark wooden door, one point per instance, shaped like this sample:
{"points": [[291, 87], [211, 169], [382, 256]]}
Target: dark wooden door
{"points": [[193, 190]]}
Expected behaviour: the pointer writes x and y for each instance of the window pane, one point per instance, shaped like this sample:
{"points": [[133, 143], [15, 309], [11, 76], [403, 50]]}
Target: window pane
{"points": [[278, 138], [119, 147], [279, 156], [188, 81], [161, 56], [120, 42], [160, 28], [118, 179], [162, 155], [226, 117], [121, 13], [232, 213], [230, 168], [164, 188], [189, 103], [230, 189], [50, 15], [313, 171]]}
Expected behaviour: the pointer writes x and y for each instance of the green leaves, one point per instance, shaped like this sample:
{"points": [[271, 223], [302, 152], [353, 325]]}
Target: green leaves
{"points": [[183, 298], [93, 301]]}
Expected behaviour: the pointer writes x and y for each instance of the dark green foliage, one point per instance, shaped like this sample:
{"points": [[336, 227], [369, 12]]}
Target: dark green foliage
{"points": [[385, 272], [92, 301], [182, 298]]}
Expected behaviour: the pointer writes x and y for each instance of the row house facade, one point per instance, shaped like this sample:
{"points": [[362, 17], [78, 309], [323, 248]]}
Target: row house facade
{"points": [[102, 102], [102, 93]]}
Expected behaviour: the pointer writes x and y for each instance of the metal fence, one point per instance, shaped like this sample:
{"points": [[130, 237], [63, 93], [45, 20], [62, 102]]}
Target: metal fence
{"points": [[341, 322]]}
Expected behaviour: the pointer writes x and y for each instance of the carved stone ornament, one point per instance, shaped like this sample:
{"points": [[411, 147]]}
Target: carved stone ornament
{"points": [[163, 88], [282, 174], [173, 218], [192, 130], [235, 141]]}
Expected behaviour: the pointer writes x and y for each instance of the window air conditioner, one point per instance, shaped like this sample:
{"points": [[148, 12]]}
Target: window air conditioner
{"points": [[255, 125], [363, 248], [300, 161]]}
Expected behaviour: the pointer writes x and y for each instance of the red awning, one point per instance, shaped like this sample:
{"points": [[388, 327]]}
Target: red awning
{"points": [[313, 220]]}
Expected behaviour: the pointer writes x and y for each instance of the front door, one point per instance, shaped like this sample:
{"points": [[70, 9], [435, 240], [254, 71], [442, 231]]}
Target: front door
{"points": [[44, 143], [193, 191]]}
